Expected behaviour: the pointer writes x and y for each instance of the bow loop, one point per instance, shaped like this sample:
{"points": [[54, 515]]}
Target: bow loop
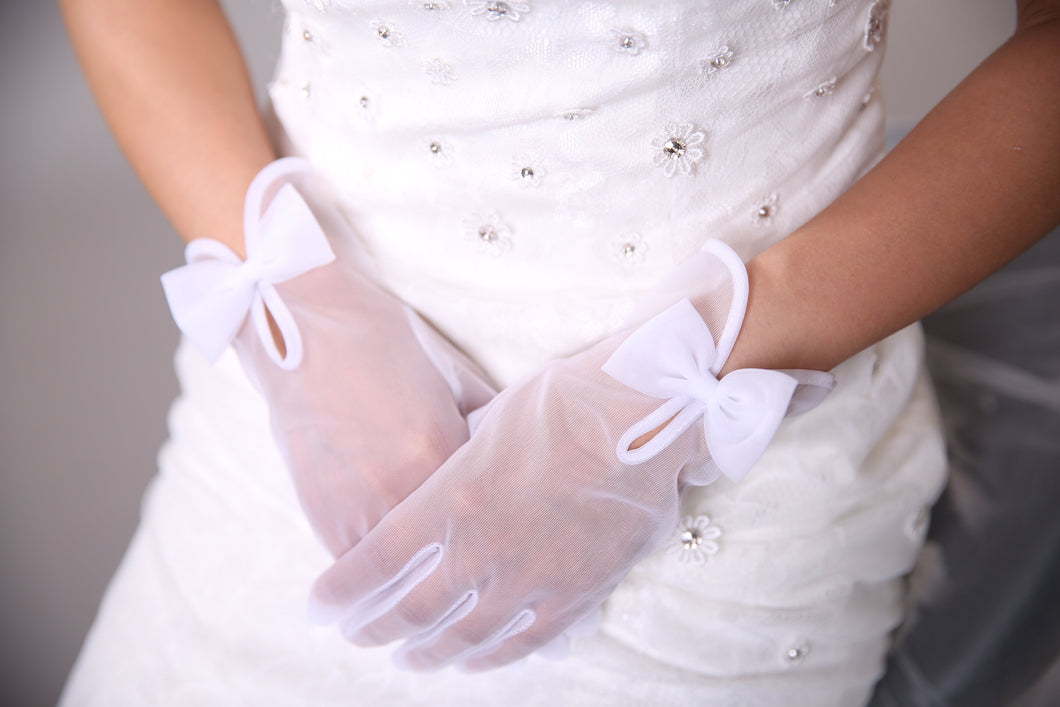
{"points": [[211, 296]]}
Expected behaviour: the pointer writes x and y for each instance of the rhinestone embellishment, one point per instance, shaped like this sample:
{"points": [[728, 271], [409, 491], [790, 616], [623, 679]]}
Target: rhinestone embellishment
{"points": [[626, 41], [763, 215], [825, 88], [875, 25], [527, 170], [721, 59], [439, 151], [575, 114], [307, 35], [629, 249], [387, 34], [796, 652], [430, 5], [677, 149], [495, 10], [696, 539], [490, 234]]}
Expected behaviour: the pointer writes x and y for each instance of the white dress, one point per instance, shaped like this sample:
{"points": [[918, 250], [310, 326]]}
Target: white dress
{"points": [[522, 173]]}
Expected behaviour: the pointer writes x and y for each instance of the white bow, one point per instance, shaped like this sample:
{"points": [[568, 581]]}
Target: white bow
{"points": [[671, 356], [211, 296]]}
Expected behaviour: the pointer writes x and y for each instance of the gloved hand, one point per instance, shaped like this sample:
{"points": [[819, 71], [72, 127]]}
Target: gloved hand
{"points": [[365, 399], [532, 524]]}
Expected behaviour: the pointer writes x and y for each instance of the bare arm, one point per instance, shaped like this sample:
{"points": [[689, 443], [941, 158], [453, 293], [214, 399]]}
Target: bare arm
{"points": [[172, 84], [973, 185]]}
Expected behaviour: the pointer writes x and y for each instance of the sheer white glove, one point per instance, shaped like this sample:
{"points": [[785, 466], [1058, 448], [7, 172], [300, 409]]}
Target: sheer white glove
{"points": [[530, 526], [365, 399]]}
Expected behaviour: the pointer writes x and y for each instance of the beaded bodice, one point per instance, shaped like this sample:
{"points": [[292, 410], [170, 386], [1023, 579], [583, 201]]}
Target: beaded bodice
{"points": [[524, 150]]}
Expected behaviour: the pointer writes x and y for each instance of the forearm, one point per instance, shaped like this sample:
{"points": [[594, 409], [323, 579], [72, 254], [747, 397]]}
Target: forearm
{"points": [[972, 186], [172, 84]]}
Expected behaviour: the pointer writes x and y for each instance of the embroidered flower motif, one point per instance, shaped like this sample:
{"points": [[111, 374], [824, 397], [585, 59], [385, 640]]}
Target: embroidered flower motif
{"points": [[629, 249], [721, 59], [388, 35], [694, 539], [490, 234], [763, 215], [676, 149], [825, 88], [430, 4], [496, 10], [781, 4], [439, 72], [527, 170], [320, 5], [439, 151], [575, 114], [627, 41], [875, 26]]}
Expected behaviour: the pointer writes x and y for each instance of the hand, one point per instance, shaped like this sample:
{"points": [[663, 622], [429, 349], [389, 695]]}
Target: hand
{"points": [[365, 400], [532, 524]]}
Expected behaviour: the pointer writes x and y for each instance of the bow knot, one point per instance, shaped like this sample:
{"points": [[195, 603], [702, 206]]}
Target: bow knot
{"points": [[673, 357], [212, 295]]}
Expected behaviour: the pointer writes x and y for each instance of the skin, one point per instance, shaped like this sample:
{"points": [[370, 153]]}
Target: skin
{"points": [[971, 187]]}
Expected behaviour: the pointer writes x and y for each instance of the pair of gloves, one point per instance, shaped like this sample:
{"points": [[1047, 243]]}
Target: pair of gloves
{"points": [[475, 549]]}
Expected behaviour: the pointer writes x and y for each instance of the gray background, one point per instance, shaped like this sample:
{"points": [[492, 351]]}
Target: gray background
{"points": [[85, 361]]}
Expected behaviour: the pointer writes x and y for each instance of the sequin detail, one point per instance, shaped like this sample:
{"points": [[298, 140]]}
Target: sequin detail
{"points": [[495, 10], [677, 148]]}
